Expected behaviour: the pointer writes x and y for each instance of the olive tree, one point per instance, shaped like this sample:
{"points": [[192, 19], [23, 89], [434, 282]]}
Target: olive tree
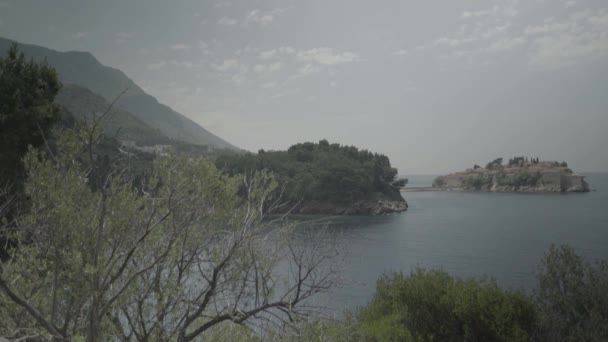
{"points": [[572, 297], [167, 256]]}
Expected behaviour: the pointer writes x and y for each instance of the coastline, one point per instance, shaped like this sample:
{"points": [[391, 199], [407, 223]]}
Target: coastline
{"points": [[533, 190], [359, 208]]}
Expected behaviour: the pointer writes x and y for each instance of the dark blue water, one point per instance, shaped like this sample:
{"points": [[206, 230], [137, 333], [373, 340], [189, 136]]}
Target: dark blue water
{"points": [[503, 235]]}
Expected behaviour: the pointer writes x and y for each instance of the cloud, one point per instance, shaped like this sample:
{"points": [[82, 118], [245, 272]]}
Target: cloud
{"points": [[227, 65], [223, 4], [267, 68], [327, 56], [306, 70], [269, 85], [401, 52], [507, 43], [80, 35], [122, 37], [180, 47], [504, 8], [157, 66], [258, 17], [262, 18], [205, 48], [227, 21], [276, 53], [583, 35], [484, 31], [240, 77]]}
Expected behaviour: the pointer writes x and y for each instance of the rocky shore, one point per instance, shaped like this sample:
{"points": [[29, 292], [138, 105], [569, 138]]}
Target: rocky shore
{"points": [[363, 207]]}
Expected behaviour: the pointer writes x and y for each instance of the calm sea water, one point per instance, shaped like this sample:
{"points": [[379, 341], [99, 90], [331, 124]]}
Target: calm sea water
{"points": [[503, 235]]}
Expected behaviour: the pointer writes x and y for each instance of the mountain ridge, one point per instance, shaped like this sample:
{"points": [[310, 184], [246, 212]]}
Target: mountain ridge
{"points": [[83, 69]]}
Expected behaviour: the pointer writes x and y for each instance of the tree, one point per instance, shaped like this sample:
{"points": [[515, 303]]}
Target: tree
{"points": [[330, 174], [400, 183], [494, 164], [572, 297], [27, 111], [434, 306], [171, 257], [439, 182]]}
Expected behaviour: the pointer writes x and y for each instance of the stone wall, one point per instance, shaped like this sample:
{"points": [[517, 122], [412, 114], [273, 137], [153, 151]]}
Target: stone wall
{"points": [[552, 181], [574, 183], [453, 182]]}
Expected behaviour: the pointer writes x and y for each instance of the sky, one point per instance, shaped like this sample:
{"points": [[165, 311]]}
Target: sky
{"points": [[437, 86]]}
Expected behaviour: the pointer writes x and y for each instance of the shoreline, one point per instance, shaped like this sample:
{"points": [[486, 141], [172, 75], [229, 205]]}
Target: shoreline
{"points": [[523, 191], [360, 208]]}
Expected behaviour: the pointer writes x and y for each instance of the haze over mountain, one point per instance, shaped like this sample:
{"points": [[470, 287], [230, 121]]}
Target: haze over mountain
{"points": [[91, 86], [435, 85]]}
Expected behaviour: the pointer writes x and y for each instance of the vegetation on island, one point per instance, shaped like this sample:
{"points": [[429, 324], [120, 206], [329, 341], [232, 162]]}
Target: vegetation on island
{"points": [[519, 172], [322, 172]]}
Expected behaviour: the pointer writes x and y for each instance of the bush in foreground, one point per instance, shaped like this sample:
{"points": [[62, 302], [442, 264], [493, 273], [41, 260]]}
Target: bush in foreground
{"points": [[569, 304], [434, 306]]}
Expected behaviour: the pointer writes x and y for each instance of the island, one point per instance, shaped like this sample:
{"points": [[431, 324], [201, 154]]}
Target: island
{"points": [[326, 179], [520, 174]]}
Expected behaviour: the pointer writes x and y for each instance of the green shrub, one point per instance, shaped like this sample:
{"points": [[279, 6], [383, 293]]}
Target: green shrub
{"points": [[434, 306]]}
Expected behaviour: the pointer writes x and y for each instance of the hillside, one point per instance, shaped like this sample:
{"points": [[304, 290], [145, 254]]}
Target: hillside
{"points": [[119, 124], [518, 175], [324, 178], [83, 69]]}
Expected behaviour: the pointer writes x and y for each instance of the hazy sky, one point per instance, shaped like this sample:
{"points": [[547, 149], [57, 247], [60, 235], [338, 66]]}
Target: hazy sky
{"points": [[435, 85]]}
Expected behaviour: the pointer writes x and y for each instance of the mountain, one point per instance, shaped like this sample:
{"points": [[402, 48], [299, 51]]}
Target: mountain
{"points": [[83, 104], [84, 70]]}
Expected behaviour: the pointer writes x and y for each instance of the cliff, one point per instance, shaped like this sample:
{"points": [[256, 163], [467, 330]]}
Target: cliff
{"points": [[519, 176]]}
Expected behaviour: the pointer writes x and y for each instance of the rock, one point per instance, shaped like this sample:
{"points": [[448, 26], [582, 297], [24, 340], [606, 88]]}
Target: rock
{"points": [[363, 207]]}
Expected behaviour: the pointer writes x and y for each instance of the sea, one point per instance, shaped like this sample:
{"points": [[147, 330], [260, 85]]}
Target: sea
{"points": [[467, 234]]}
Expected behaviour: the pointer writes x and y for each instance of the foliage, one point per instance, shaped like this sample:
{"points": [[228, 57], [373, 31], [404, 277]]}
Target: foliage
{"points": [[439, 182], [519, 179], [434, 306], [517, 161], [322, 172], [496, 163], [572, 297], [570, 304], [27, 111], [318, 329], [173, 255], [477, 182]]}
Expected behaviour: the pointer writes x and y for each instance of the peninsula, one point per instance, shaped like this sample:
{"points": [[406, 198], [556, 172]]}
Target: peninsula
{"points": [[326, 179], [520, 174]]}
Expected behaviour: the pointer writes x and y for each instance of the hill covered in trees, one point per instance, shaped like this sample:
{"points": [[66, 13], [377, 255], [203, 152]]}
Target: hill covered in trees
{"points": [[324, 178]]}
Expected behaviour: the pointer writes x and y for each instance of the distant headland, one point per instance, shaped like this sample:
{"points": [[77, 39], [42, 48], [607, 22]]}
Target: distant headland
{"points": [[520, 174]]}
